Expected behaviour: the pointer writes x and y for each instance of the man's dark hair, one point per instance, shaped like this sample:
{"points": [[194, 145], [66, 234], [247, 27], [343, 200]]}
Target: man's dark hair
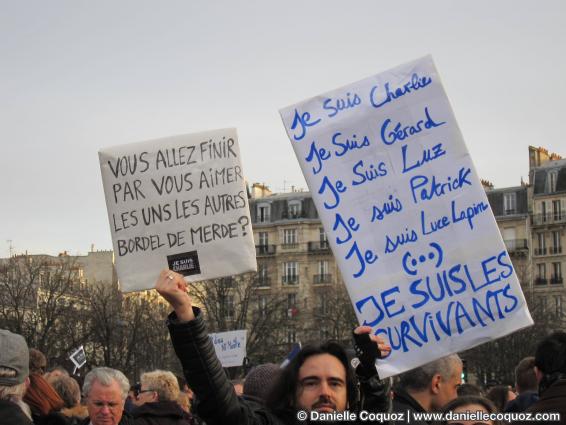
{"points": [[525, 377], [469, 400], [469, 389], [282, 397], [550, 356]]}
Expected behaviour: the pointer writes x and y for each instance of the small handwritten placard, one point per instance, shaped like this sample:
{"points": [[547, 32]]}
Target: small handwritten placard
{"points": [[408, 220], [178, 203], [230, 347]]}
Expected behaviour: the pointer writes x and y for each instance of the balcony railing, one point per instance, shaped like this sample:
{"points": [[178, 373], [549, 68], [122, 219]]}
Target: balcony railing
{"points": [[556, 280], [540, 251], [265, 249], [320, 246], [553, 250], [516, 244], [541, 281], [263, 281], [322, 278], [291, 279], [548, 218]]}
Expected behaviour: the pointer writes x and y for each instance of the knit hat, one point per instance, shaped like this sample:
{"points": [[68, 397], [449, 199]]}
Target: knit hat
{"points": [[14, 354], [260, 379]]}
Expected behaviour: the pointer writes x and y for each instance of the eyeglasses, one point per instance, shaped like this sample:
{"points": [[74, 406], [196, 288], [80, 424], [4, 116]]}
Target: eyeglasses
{"points": [[140, 392]]}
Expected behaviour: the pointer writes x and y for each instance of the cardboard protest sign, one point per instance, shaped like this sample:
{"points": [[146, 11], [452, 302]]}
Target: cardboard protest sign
{"points": [[230, 347], [408, 220], [178, 203]]}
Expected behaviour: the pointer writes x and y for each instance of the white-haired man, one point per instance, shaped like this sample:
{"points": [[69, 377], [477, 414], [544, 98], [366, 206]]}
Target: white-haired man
{"points": [[429, 387], [106, 390]]}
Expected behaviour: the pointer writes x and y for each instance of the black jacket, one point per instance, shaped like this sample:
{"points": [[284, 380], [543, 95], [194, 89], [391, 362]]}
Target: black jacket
{"points": [[552, 399], [404, 403], [522, 402], [126, 420], [161, 413], [219, 404], [12, 414]]}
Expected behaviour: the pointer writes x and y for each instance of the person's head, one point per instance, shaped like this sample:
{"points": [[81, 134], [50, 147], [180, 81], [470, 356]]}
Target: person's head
{"points": [[318, 378], [68, 389], [238, 385], [14, 365], [469, 389], [37, 361], [525, 377], [434, 384], [105, 390], [55, 373], [550, 356], [158, 385], [259, 380], [500, 395], [470, 404]]}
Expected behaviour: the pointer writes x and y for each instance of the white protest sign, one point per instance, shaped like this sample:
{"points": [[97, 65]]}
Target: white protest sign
{"points": [[230, 347], [408, 220], [78, 358], [178, 203]]}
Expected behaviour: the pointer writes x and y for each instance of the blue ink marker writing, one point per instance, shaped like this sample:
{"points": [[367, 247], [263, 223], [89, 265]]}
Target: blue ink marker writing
{"points": [[335, 106], [318, 155], [302, 120], [401, 132], [415, 83]]}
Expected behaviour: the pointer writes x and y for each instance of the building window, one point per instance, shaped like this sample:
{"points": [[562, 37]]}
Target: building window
{"points": [[323, 275], [262, 306], [541, 274], [552, 178], [556, 273], [294, 208], [323, 304], [290, 237], [542, 304], [543, 211], [558, 304], [262, 275], [323, 267], [263, 239], [322, 237], [227, 306], [291, 300], [290, 275], [556, 210], [509, 203], [263, 213], [541, 240], [556, 243], [291, 336]]}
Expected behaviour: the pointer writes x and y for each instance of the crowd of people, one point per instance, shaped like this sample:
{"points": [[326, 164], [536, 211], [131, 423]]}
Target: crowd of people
{"points": [[318, 384]]}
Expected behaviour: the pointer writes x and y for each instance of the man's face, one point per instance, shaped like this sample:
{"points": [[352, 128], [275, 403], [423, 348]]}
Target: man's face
{"points": [[105, 405], [322, 384], [447, 389]]}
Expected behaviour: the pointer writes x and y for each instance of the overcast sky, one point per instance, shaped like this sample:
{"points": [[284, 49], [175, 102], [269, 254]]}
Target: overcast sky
{"points": [[79, 75]]}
